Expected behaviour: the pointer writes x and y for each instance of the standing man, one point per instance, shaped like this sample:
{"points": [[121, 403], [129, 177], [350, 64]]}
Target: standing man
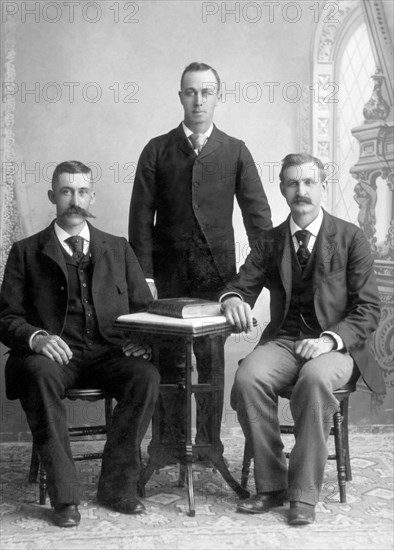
{"points": [[324, 307], [181, 209], [63, 289]]}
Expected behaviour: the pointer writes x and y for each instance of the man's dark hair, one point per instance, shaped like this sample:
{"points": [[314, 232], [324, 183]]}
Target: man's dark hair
{"points": [[296, 159], [195, 66], [70, 167]]}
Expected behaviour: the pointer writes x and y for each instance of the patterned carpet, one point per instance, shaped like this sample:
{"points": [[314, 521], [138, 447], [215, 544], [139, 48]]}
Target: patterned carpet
{"points": [[364, 522]]}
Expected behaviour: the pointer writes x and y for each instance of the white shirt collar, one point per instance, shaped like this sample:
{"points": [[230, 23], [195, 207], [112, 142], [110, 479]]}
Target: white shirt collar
{"points": [[63, 235], [313, 227], [188, 132]]}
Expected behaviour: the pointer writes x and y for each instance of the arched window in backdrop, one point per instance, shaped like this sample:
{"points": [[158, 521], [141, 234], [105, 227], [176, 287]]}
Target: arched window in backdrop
{"points": [[343, 64], [354, 67]]}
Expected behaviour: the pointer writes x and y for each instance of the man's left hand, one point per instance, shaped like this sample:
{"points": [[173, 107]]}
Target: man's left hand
{"points": [[313, 347], [136, 350]]}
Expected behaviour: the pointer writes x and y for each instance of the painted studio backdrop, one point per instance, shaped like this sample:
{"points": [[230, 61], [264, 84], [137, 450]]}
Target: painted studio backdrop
{"points": [[94, 81]]}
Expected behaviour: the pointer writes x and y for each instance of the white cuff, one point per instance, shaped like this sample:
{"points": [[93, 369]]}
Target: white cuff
{"points": [[338, 340], [35, 334], [229, 295]]}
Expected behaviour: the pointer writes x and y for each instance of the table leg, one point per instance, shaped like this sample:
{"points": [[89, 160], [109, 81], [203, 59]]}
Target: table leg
{"points": [[189, 445], [164, 450], [190, 489], [220, 465]]}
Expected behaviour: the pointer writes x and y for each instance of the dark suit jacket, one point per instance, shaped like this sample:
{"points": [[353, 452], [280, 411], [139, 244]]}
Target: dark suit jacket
{"points": [[172, 183], [345, 293], [34, 292]]}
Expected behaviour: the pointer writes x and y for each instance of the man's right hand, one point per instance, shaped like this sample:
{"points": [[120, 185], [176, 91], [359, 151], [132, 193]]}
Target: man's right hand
{"points": [[153, 289], [238, 313], [53, 347]]}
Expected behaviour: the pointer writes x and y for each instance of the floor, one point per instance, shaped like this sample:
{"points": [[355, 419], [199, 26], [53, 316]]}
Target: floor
{"points": [[364, 522]]}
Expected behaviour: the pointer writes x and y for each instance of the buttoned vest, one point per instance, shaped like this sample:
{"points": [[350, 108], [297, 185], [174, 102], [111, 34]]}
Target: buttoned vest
{"points": [[81, 326], [301, 321]]}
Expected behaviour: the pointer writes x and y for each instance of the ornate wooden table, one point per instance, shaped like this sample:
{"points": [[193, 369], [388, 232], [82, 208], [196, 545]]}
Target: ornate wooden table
{"points": [[164, 450]]}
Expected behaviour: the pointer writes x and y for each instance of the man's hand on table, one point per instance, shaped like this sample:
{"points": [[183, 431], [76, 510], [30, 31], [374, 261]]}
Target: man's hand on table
{"points": [[238, 314]]}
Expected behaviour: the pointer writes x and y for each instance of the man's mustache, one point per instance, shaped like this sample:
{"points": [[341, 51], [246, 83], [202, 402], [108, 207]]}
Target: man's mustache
{"points": [[78, 210], [302, 200]]}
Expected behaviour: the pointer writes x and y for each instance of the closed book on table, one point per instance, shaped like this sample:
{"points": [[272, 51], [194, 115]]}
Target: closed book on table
{"points": [[184, 308]]}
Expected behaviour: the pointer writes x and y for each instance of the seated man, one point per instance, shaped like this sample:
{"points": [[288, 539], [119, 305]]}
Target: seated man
{"points": [[63, 288], [324, 306]]}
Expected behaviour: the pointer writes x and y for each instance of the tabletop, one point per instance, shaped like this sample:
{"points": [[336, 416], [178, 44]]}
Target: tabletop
{"points": [[161, 324]]}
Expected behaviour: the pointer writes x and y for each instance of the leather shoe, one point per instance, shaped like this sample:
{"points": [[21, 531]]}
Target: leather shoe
{"points": [[301, 513], [66, 515], [262, 502], [123, 505]]}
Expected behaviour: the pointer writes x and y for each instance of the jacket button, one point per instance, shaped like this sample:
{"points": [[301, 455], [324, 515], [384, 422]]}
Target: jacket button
{"points": [[196, 206], [196, 184], [62, 288]]}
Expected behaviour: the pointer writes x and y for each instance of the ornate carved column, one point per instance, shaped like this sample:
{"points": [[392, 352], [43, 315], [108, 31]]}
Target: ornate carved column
{"points": [[374, 172]]}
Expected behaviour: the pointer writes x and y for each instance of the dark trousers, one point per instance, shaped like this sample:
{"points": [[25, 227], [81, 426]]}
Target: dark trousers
{"points": [[208, 351], [258, 380], [133, 382], [193, 274]]}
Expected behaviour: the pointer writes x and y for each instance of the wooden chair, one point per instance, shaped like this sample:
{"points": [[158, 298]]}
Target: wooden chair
{"points": [[339, 430], [36, 467]]}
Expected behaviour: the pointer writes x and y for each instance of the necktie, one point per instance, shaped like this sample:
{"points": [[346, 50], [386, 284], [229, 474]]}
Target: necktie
{"points": [[198, 141], [303, 252], [76, 245]]}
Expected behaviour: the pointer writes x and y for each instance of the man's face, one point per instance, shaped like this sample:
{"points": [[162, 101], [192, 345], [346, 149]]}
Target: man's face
{"points": [[72, 194], [303, 189], [199, 96]]}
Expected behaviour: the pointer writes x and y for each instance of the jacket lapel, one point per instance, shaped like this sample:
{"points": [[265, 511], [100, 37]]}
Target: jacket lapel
{"points": [[50, 246], [327, 256], [284, 259], [325, 248], [212, 144], [182, 143], [97, 244]]}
